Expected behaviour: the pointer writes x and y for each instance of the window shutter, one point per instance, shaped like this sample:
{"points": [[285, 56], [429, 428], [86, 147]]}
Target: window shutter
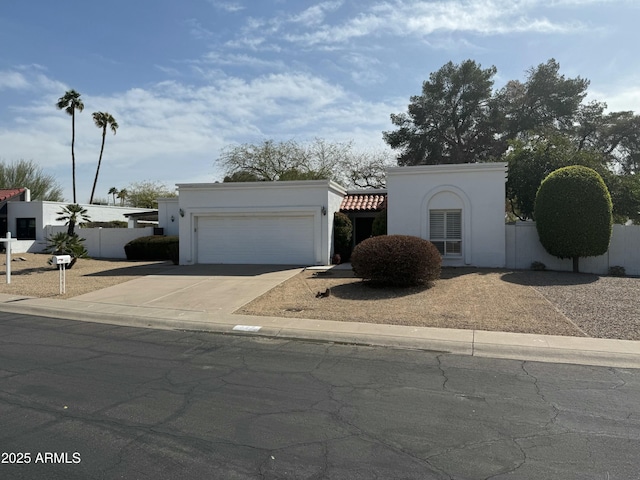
{"points": [[436, 225], [454, 227]]}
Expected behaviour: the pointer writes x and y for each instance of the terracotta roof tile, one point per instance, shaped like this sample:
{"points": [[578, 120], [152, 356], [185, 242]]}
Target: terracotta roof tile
{"points": [[364, 202], [7, 193]]}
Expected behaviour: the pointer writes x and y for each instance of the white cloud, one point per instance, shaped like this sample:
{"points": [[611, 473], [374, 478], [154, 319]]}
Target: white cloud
{"points": [[197, 30], [12, 80], [227, 6], [316, 14], [411, 18]]}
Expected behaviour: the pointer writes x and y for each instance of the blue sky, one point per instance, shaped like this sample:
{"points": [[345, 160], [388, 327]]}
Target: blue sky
{"points": [[185, 79]]}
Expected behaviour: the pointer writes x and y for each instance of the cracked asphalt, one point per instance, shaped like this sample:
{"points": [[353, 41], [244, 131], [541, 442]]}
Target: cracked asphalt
{"points": [[151, 404]]}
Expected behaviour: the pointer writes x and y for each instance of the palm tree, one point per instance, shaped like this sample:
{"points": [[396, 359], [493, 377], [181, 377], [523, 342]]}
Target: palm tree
{"points": [[71, 102], [102, 120], [113, 191], [122, 195], [72, 215]]}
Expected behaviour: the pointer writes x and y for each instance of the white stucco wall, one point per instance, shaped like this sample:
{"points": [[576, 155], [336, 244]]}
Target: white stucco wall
{"points": [[478, 190], [46, 213], [169, 215], [316, 197]]}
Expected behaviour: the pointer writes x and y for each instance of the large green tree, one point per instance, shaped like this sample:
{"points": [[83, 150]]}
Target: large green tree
{"points": [[145, 194], [545, 100], [530, 162], [70, 102], [573, 213], [102, 120], [454, 120], [28, 174]]}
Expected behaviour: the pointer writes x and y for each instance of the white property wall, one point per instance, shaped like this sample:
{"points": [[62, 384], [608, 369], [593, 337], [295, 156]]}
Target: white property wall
{"points": [[477, 189], [523, 248], [246, 198], [46, 213], [105, 242]]}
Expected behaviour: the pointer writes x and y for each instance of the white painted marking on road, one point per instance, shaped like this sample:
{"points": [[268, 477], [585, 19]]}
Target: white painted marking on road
{"points": [[247, 328]]}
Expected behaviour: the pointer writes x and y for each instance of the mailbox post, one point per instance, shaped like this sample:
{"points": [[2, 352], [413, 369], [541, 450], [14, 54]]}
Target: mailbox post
{"points": [[62, 261]]}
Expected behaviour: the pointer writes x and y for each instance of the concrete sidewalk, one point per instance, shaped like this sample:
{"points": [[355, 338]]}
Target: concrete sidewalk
{"points": [[204, 298]]}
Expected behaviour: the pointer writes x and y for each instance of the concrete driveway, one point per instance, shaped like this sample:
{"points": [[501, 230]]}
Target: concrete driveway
{"points": [[203, 288]]}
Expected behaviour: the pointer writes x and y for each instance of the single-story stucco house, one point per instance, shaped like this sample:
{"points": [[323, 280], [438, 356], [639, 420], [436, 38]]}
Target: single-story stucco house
{"points": [[460, 208], [30, 222]]}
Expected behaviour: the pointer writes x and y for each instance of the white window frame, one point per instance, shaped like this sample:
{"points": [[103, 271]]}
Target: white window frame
{"points": [[447, 240]]}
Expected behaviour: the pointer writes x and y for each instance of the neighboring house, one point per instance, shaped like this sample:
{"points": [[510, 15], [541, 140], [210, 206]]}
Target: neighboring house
{"points": [[148, 218], [10, 195], [31, 222], [460, 208]]}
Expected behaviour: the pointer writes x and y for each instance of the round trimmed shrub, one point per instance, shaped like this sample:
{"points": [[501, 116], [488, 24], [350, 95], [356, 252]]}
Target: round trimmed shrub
{"points": [[573, 214], [396, 260]]}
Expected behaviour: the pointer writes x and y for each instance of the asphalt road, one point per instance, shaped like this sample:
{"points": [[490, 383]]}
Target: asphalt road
{"points": [[92, 401]]}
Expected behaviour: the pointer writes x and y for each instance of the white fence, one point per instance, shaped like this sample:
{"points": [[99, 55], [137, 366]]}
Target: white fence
{"points": [[523, 248], [105, 242]]}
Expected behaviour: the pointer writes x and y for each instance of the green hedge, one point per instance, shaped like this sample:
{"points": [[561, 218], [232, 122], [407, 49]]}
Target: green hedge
{"points": [[155, 247], [573, 213]]}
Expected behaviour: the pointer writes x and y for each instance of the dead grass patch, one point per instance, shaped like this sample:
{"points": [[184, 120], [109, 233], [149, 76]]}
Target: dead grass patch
{"points": [[462, 298]]}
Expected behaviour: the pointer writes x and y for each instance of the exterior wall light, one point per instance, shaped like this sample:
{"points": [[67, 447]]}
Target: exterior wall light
{"points": [[324, 210], [181, 212]]}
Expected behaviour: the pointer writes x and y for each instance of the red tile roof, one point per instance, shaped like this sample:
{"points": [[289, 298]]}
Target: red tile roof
{"points": [[364, 202], [8, 193]]}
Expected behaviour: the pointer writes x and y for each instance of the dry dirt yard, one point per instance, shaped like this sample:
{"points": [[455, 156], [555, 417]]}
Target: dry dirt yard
{"points": [[33, 277], [550, 303]]}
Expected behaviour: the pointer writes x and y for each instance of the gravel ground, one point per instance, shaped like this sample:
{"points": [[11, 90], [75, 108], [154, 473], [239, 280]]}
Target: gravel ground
{"points": [[33, 277], [602, 306], [550, 303]]}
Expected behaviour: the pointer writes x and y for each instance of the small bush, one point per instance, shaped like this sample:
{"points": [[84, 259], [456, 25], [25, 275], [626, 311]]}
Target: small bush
{"points": [[379, 226], [538, 266], [396, 260], [110, 224], [154, 247], [617, 271], [64, 244]]}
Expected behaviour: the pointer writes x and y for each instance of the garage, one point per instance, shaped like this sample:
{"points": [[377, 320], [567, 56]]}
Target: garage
{"points": [[261, 239], [277, 223]]}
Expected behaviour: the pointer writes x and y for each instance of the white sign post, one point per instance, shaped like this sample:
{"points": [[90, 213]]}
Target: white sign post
{"points": [[62, 261], [7, 249]]}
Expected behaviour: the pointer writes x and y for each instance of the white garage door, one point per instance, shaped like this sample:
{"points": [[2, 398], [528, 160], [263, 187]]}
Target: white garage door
{"points": [[260, 239]]}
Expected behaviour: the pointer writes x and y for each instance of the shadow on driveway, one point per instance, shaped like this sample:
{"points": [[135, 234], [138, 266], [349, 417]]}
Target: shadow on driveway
{"points": [[548, 278], [167, 268]]}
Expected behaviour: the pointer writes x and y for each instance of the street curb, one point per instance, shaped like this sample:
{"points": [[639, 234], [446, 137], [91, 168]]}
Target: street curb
{"points": [[526, 347]]}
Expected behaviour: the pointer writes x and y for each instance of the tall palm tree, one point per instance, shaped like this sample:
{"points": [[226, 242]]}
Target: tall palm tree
{"points": [[72, 215], [102, 120], [113, 191], [122, 195], [71, 102]]}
